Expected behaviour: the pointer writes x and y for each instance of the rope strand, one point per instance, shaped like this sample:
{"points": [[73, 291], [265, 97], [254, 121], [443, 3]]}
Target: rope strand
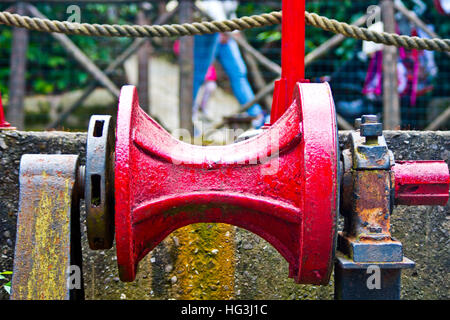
{"points": [[197, 28]]}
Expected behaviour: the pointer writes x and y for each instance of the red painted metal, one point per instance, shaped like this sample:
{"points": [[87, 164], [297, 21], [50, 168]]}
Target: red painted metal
{"points": [[281, 185], [3, 123], [293, 45], [421, 182], [292, 56]]}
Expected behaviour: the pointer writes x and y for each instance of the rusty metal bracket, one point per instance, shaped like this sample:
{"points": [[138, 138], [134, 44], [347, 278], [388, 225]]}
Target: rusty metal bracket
{"points": [[372, 183], [48, 243], [367, 204]]}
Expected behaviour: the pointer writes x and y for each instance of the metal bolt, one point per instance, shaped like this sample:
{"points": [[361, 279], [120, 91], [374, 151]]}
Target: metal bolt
{"points": [[374, 229], [371, 128], [369, 118]]}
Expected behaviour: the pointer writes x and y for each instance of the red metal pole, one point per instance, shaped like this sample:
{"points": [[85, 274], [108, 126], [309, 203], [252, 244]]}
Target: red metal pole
{"points": [[293, 44], [3, 123], [292, 56]]}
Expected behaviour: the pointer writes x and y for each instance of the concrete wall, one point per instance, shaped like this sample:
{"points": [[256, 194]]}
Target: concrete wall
{"points": [[216, 261]]}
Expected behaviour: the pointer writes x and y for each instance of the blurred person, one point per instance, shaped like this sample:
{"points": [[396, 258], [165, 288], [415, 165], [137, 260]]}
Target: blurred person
{"points": [[223, 47], [416, 71], [201, 103], [209, 85]]}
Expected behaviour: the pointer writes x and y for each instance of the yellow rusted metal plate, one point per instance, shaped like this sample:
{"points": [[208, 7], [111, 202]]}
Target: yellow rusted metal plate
{"points": [[48, 217]]}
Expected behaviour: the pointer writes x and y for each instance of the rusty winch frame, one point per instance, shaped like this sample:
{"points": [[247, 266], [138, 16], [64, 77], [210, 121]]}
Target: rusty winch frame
{"points": [[287, 185]]}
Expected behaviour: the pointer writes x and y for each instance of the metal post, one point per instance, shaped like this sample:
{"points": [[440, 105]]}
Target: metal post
{"points": [[391, 100], [185, 61], [18, 62]]}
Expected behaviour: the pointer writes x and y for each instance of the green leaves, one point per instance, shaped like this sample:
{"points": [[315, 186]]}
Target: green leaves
{"points": [[50, 69], [6, 286], [42, 86], [2, 274], [269, 36]]}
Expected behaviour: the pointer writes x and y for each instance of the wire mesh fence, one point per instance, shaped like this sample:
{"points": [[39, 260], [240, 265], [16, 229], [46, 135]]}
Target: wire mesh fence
{"points": [[352, 68], [356, 78]]}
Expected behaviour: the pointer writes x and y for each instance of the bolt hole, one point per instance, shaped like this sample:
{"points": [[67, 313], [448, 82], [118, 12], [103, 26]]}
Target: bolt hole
{"points": [[96, 190], [98, 128]]}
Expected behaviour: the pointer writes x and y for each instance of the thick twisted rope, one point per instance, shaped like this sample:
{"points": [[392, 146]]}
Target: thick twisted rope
{"points": [[197, 28]]}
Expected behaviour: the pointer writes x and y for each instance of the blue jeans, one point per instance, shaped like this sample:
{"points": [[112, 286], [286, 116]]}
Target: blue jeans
{"points": [[206, 49]]}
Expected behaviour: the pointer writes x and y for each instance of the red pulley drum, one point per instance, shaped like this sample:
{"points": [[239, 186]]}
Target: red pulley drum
{"points": [[281, 185]]}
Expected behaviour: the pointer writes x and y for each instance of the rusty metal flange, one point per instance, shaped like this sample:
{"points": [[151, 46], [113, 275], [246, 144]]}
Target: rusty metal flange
{"points": [[99, 182]]}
